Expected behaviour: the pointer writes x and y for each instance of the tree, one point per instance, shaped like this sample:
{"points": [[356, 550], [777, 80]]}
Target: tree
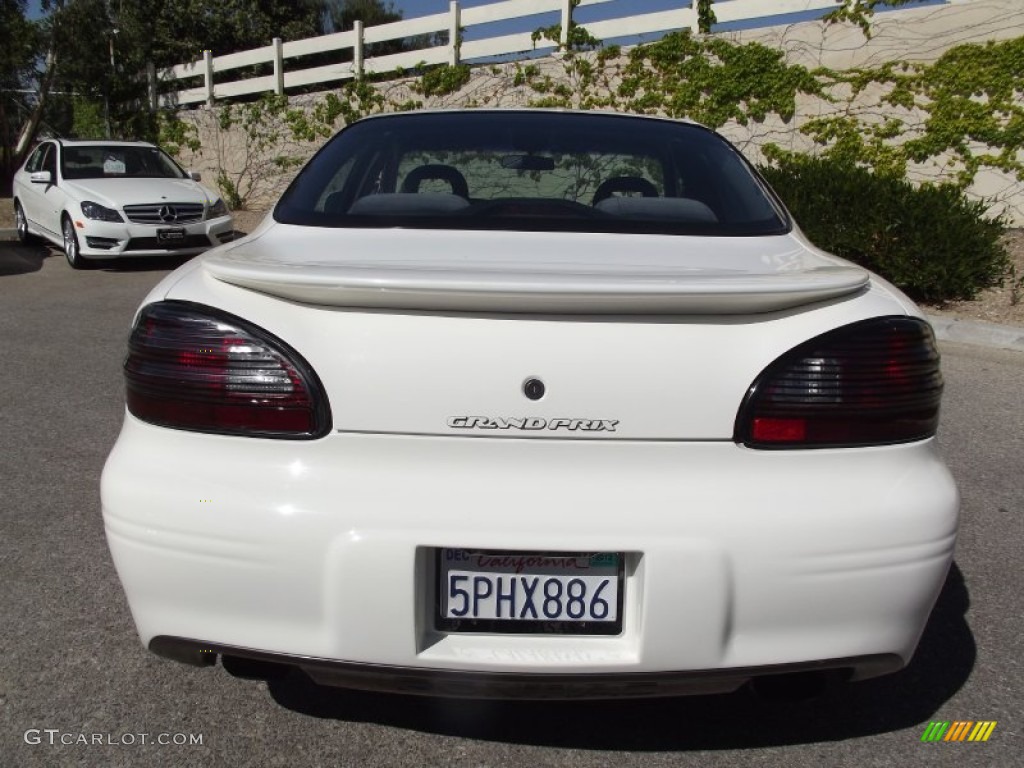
{"points": [[19, 43], [341, 15], [81, 63], [174, 31]]}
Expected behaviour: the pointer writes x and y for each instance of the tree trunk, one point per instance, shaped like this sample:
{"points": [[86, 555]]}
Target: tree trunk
{"points": [[28, 131], [6, 164]]}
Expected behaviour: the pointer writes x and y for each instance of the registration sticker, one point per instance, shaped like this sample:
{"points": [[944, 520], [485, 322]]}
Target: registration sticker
{"points": [[114, 166], [503, 591]]}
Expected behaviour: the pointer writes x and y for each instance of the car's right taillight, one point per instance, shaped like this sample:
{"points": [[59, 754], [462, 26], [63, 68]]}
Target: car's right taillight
{"points": [[874, 382], [196, 368]]}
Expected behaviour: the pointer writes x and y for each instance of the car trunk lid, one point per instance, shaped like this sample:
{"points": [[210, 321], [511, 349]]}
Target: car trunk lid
{"points": [[396, 357]]}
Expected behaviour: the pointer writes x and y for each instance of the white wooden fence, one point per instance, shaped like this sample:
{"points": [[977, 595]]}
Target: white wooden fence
{"points": [[457, 19]]}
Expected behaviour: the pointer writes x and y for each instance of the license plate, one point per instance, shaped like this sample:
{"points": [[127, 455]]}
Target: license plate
{"points": [[170, 235], [502, 591]]}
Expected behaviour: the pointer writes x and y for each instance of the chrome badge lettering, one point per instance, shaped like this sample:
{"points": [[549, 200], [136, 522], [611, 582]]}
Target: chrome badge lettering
{"points": [[532, 423]]}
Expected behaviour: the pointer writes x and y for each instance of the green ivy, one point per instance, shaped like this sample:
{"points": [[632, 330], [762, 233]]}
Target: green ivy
{"points": [[578, 38], [174, 134], [229, 191], [443, 80], [317, 123], [712, 80], [860, 12], [705, 16], [262, 127], [965, 110], [525, 74]]}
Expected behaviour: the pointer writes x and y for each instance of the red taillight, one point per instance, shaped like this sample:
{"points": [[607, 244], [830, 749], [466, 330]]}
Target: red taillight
{"points": [[193, 367], [874, 382]]}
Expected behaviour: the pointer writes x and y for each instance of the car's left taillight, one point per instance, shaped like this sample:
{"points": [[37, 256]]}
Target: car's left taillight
{"points": [[196, 368]]}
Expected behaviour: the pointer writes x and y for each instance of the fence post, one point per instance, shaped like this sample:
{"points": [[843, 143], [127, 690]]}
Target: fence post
{"points": [[154, 99], [357, 50], [454, 32], [208, 76], [563, 40], [278, 66]]}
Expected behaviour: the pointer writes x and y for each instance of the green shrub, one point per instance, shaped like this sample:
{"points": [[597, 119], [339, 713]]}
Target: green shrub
{"points": [[931, 241]]}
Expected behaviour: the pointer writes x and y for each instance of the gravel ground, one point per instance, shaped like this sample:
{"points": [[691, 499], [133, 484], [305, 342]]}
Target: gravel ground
{"points": [[1004, 305]]}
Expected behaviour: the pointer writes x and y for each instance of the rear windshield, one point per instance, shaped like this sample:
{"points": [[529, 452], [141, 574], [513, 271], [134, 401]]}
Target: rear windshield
{"points": [[544, 171], [116, 161]]}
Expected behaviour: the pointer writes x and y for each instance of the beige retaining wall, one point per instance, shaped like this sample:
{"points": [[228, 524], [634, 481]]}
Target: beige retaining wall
{"points": [[918, 35]]}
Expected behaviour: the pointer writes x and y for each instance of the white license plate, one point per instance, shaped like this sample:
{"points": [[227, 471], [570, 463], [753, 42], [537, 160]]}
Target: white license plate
{"points": [[520, 588], [170, 235]]}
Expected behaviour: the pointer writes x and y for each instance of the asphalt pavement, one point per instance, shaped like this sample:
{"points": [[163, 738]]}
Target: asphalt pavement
{"points": [[77, 688]]}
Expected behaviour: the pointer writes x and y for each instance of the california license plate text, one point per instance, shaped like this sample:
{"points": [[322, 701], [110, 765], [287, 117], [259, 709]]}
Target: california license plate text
{"points": [[526, 597]]}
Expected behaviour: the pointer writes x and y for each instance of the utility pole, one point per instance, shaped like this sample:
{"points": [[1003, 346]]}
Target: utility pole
{"points": [[113, 69]]}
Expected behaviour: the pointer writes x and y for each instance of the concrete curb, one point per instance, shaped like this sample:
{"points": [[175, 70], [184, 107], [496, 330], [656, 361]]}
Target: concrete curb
{"points": [[8, 234], [978, 332]]}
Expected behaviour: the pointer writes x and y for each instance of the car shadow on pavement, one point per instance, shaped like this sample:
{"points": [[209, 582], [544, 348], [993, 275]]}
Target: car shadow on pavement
{"points": [[942, 664], [141, 264], [18, 259]]}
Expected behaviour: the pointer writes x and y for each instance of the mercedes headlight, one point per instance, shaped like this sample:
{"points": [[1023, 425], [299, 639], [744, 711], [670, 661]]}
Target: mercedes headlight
{"points": [[100, 212], [217, 209]]}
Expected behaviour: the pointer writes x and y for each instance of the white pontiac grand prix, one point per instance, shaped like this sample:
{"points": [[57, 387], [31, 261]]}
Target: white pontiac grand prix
{"points": [[531, 404]]}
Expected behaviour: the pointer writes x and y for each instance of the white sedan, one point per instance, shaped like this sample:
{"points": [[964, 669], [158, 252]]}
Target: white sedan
{"points": [[531, 404], [112, 199]]}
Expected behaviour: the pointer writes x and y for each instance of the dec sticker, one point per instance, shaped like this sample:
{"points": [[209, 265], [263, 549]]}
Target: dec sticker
{"points": [[112, 165]]}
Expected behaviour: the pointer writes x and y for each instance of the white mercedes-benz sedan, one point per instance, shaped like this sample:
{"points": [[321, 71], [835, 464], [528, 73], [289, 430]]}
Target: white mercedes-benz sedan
{"points": [[113, 199], [530, 404]]}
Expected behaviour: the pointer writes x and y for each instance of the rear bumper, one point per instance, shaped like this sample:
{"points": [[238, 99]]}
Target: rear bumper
{"points": [[512, 685], [736, 560]]}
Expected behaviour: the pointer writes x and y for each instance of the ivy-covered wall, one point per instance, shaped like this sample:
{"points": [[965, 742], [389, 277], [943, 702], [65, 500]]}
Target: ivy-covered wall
{"points": [[934, 93]]}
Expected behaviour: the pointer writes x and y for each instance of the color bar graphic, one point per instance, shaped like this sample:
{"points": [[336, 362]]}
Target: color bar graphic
{"points": [[982, 730], [959, 730]]}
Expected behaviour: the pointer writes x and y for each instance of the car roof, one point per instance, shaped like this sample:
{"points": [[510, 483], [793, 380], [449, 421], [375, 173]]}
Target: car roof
{"points": [[102, 142], [529, 110]]}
